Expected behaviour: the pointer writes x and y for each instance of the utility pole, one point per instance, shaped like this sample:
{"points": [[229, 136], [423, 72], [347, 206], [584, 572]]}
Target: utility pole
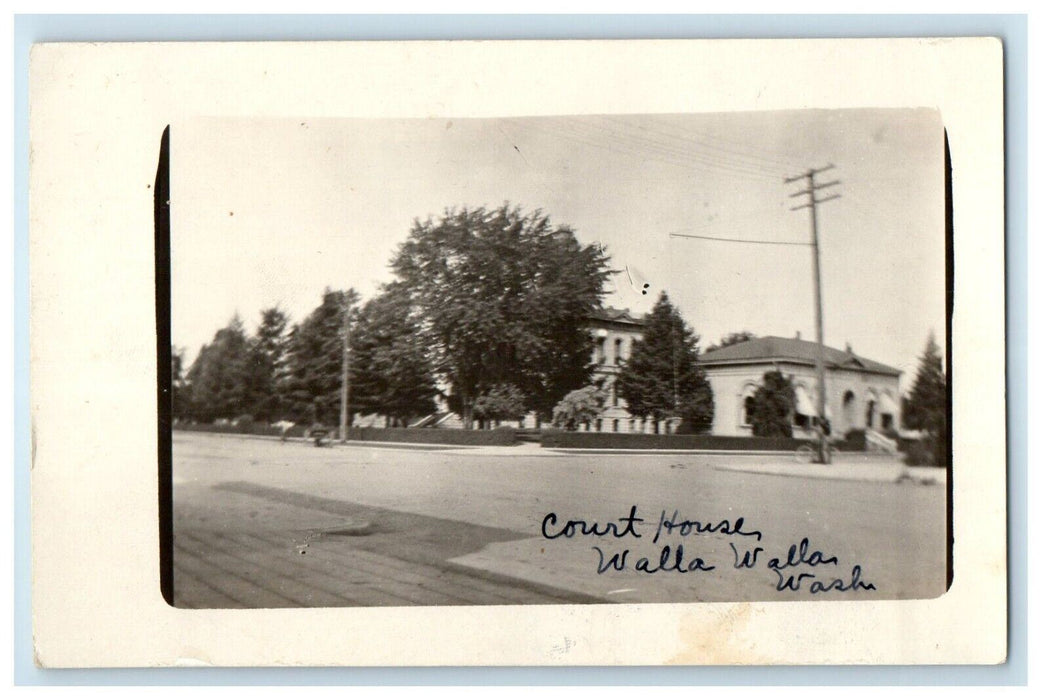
{"points": [[344, 399], [823, 454]]}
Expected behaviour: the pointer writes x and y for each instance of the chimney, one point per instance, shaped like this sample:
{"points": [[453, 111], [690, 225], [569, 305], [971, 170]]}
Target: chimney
{"points": [[797, 335]]}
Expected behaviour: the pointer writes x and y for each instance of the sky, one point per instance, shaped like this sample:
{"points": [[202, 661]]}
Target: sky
{"points": [[269, 212]]}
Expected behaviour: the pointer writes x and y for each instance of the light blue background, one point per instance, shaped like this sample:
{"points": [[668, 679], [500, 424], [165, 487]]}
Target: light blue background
{"points": [[1012, 29]]}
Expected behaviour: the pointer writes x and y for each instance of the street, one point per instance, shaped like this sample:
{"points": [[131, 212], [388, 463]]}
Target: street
{"points": [[261, 523]]}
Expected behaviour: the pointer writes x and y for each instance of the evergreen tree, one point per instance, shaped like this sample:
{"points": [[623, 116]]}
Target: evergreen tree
{"points": [[503, 298], [697, 409], [314, 359], [925, 407], [662, 377], [773, 411], [218, 377], [390, 367], [179, 401], [266, 360]]}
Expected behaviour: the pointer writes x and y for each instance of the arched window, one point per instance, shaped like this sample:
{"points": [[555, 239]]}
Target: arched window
{"points": [[615, 425], [618, 346], [848, 409], [804, 406], [746, 408]]}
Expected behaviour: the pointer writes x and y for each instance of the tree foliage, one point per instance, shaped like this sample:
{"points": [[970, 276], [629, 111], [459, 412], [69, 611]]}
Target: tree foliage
{"points": [[733, 338], [580, 406], [697, 410], [662, 378], [217, 378], [390, 368], [503, 298], [773, 411], [314, 358], [179, 401], [500, 402], [266, 358], [925, 407]]}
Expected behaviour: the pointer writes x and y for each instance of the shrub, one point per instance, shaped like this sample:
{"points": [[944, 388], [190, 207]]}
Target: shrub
{"points": [[927, 452], [501, 402], [580, 406]]}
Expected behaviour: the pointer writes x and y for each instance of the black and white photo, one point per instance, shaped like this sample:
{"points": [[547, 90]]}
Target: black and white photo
{"points": [[566, 359]]}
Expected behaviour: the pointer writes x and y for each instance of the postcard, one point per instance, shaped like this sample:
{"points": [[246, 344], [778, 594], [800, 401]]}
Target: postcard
{"points": [[518, 353]]}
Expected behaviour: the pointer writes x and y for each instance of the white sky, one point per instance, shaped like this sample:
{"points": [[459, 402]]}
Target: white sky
{"points": [[269, 212]]}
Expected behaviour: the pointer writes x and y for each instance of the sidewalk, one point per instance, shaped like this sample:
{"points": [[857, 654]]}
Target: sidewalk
{"points": [[850, 468]]}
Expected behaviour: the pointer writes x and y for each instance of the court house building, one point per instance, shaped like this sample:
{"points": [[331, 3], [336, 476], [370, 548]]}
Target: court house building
{"points": [[861, 393]]}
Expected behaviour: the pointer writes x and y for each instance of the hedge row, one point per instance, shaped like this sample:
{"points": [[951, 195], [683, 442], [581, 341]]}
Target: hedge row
{"points": [[645, 441], [436, 436], [240, 429], [548, 438]]}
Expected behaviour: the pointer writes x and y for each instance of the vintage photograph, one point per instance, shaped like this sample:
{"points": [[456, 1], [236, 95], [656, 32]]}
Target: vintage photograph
{"points": [[613, 358]]}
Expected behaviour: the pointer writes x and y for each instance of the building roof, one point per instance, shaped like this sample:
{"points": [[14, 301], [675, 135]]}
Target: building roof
{"points": [[791, 350], [610, 314]]}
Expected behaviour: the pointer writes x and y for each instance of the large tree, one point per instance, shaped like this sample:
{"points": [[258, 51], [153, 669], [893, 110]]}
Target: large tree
{"points": [[315, 352], [773, 408], [503, 298], [925, 407], [265, 364], [662, 378], [179, 400], [390, 368], [217, 378]]}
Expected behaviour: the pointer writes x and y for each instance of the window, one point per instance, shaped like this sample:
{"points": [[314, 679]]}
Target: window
{"points": [[618, 350], [599, 346], [597, 425], [746, 407], [615, 425]]}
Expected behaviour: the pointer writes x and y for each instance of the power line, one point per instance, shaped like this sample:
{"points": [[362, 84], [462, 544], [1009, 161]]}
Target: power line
{"points": [[774, 158], [630, 147], [739, 240], [701, 140], [647, 139]]}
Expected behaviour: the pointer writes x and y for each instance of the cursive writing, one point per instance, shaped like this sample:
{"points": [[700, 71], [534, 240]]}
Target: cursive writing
{"points": [[620, 561], [583, 527], [688, 527], [801, 567]]}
